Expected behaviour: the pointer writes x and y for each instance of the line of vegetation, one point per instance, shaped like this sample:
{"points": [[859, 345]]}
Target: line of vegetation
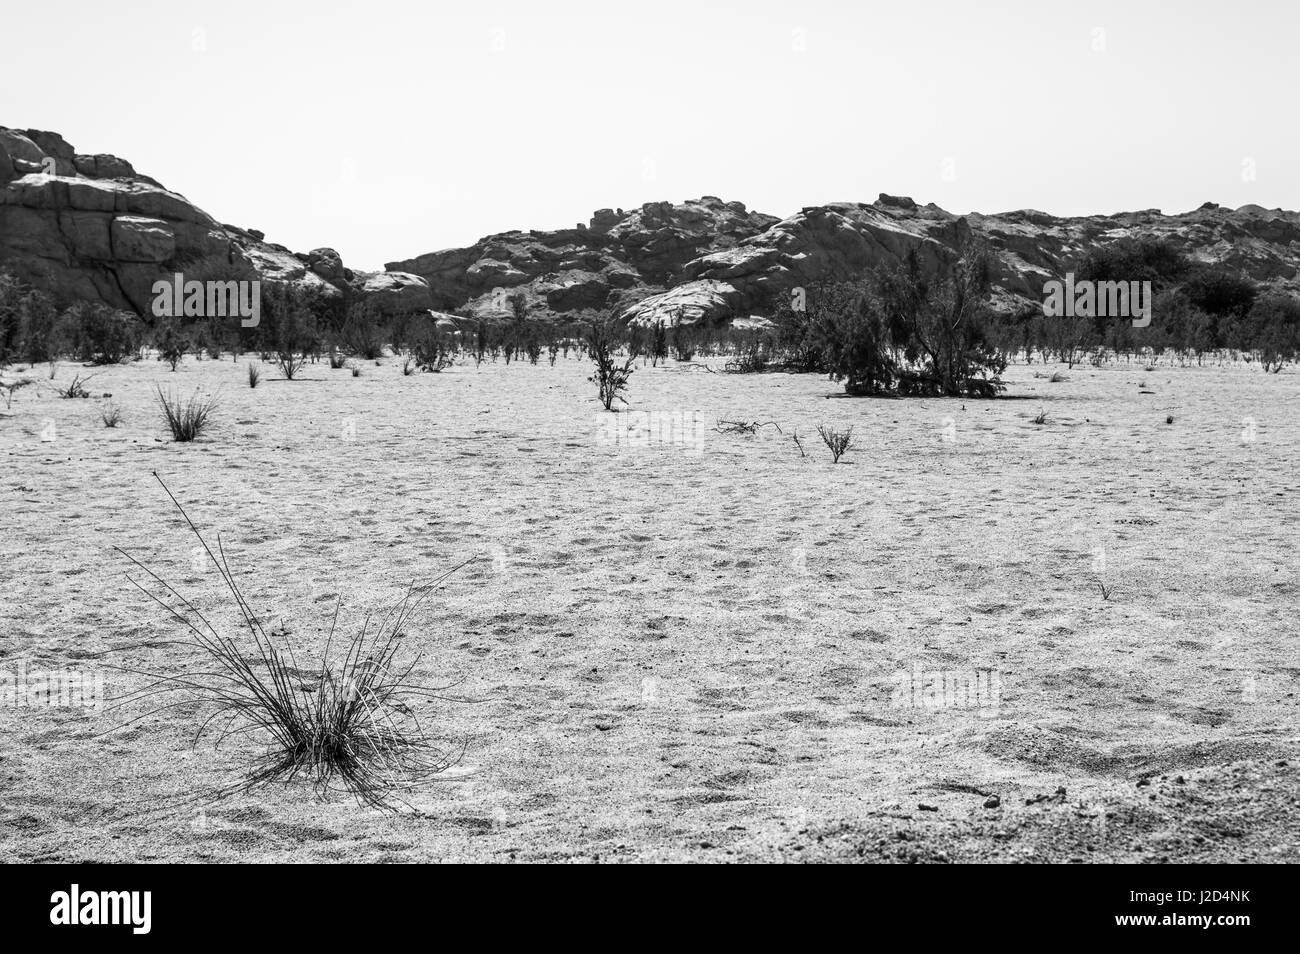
{"points": [[905, 330]]}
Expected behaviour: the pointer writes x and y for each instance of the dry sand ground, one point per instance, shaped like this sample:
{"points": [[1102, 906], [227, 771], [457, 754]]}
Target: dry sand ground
{"points": [[687, 652]]}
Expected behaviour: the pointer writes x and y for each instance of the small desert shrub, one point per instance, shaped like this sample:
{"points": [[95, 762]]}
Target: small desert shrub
{"points": [[356, 371], [111, 415], [337, 360], [346, 721], [683, 341], [1041, 418], [753, 358], [838, 441], [290, 363], [75, 389], [33, 327], [254, 375], [408, 367], [432, 353], [103, 335], [187, 420], [610, 376], [171, 344], [363, 333]]}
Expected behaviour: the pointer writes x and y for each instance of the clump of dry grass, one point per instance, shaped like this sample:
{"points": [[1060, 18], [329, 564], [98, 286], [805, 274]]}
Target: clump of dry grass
{"points": [[346, 722], [187, 420], [111, 415], [76, 388], [254, 375]]}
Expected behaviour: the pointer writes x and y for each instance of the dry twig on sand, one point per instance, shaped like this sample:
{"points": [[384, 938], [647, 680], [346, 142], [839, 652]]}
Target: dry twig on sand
{"points": [[744, 427]]}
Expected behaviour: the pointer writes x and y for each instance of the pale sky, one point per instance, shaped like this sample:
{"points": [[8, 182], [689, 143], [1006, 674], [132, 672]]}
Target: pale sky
{"points": [[387, 129]]}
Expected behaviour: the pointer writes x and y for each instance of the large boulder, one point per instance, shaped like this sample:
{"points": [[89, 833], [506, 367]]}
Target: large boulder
{"points": [[704, 301], [86, 227], [394, 293], [89, 227], [326, 263]]}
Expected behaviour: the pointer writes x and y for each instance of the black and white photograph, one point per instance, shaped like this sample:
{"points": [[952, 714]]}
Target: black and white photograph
{"points": [[663, 433]]}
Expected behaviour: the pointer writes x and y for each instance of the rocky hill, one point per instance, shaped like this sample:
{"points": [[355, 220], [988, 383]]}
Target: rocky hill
{"points": [[610, 264], [842, 241], [91, 227]]}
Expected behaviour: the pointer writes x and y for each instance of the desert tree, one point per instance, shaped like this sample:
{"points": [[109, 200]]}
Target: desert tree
{"points": [[171, 342], [941, 325], [101, 334], [292, 332], [611, 376], [851, 331], [38, 326], [682, 338], [1276, 331], [658, 343]]}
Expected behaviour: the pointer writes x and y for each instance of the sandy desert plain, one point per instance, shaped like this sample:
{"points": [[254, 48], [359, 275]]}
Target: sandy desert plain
{"points": [[685, 649]]}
